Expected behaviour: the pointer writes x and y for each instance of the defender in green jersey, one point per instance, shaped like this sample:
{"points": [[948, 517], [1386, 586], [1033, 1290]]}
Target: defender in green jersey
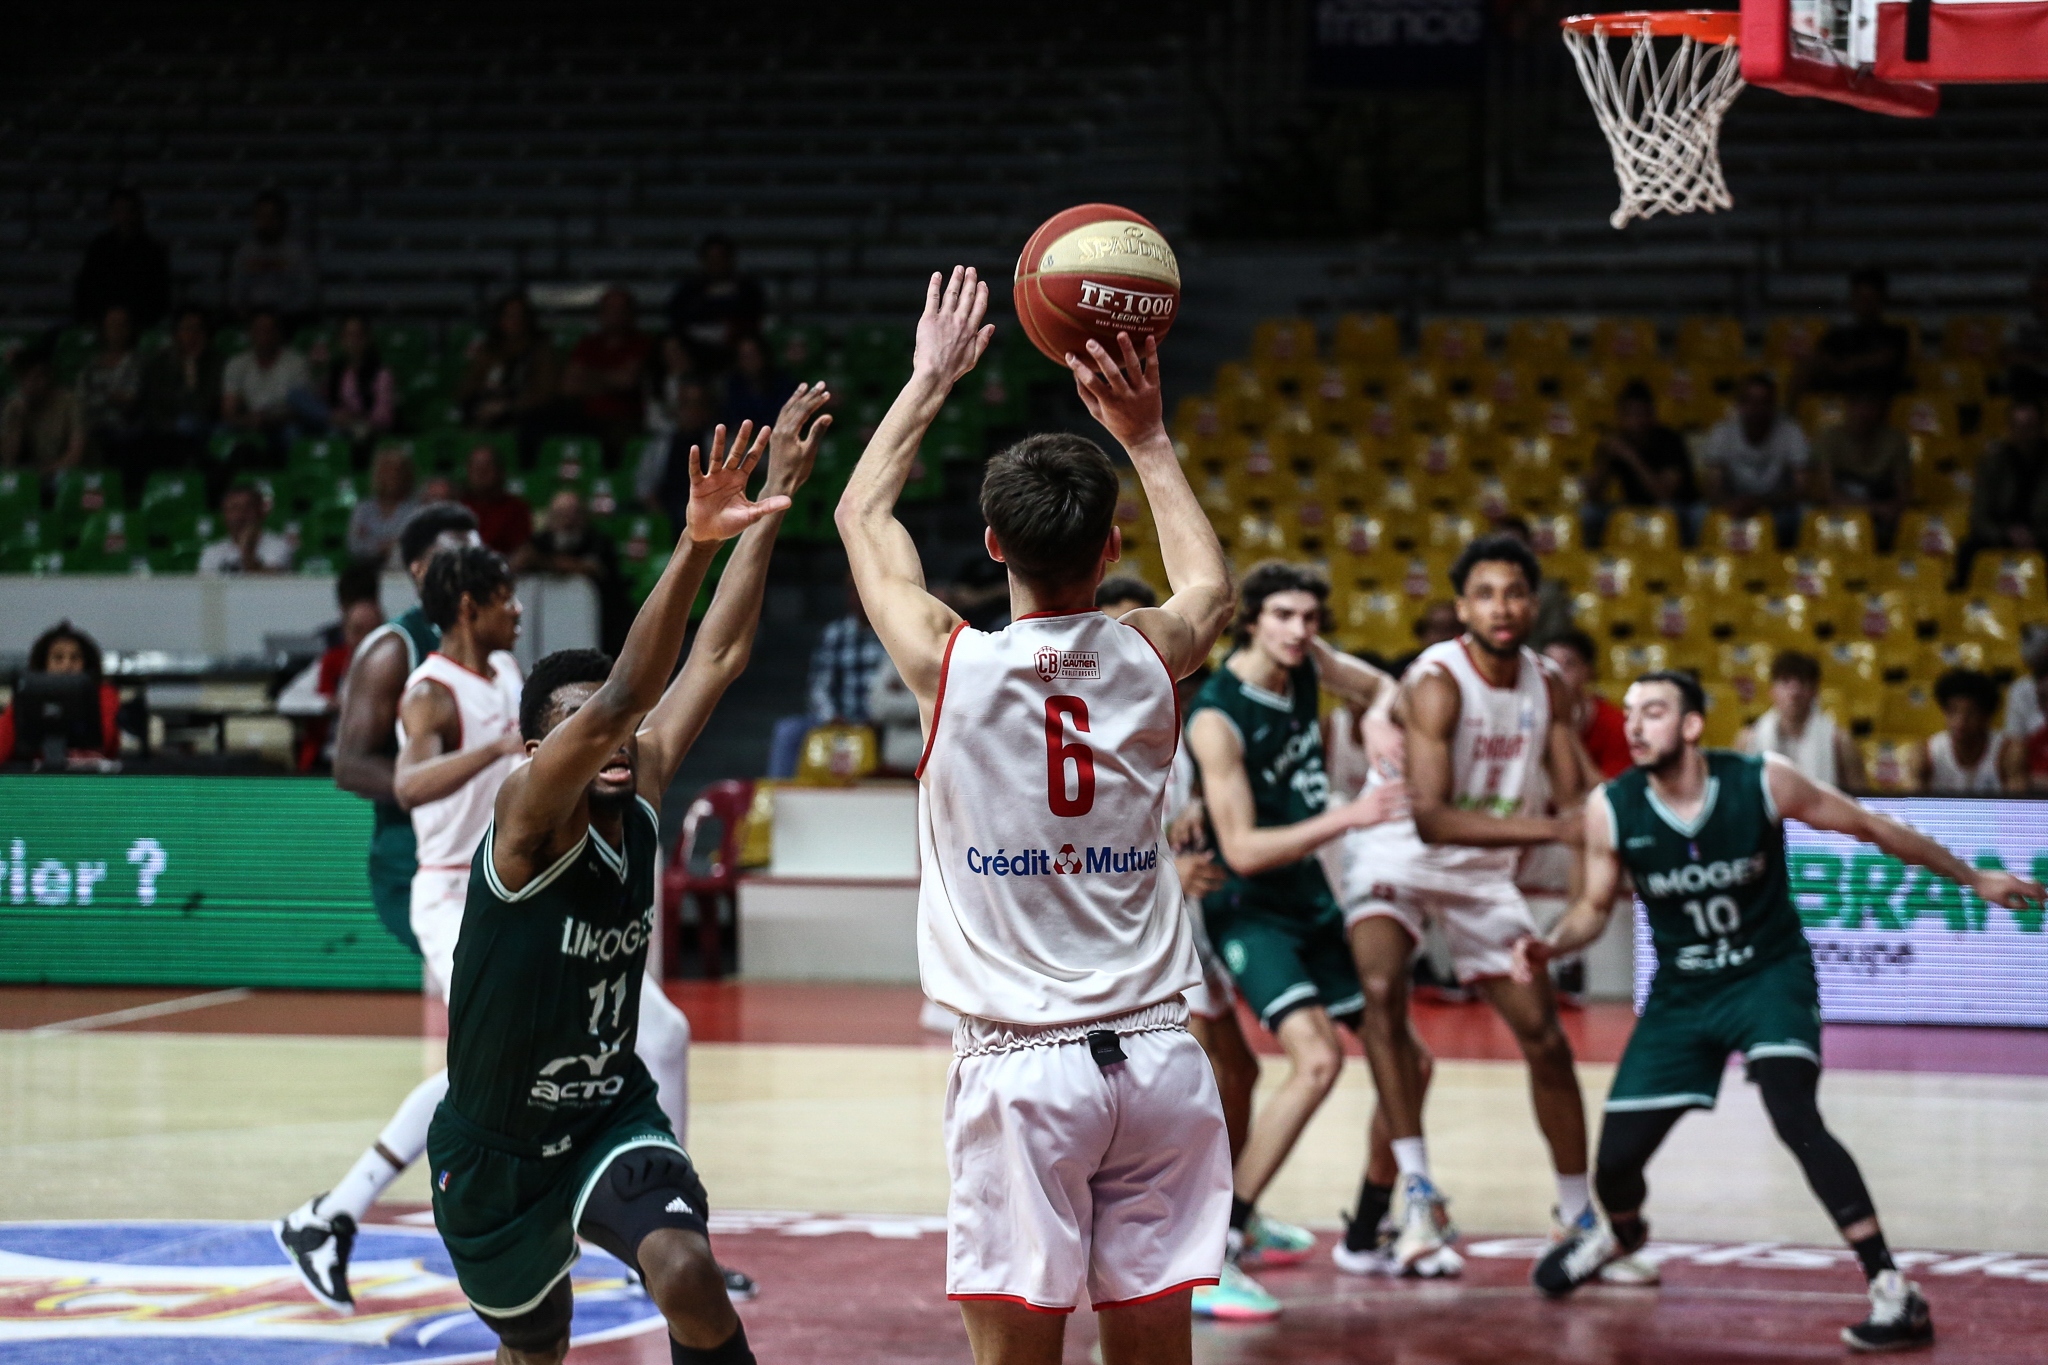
{"points": [[550, 1129], [1256, 734], [1702, 833]]}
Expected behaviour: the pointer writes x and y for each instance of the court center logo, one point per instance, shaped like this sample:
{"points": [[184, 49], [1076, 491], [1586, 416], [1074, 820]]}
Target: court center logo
{"points": [[88, 1293]]}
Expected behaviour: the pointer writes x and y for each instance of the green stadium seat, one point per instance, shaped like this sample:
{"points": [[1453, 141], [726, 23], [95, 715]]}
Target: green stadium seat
{"points": [[927, 478], [641, 537], [320, 564], [22, 542], [173, 487], [109, 542], [75, 346], [568, 462], [21, 496], [81, 493], [956, 436], [325, 453], [609, 496], [170, 525]]}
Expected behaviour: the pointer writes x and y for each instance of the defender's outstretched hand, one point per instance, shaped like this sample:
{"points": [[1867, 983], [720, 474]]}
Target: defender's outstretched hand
{"points": [[719, 507], [2006, 890], [950, 335], [1528, 956], [1124, 398], [792, 452]]}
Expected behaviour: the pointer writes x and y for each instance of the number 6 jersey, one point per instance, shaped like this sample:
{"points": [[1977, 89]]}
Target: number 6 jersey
{"points": [[1047, 895]]}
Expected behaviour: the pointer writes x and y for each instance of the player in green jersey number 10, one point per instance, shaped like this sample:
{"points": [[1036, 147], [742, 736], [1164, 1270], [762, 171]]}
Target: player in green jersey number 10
{"points": [[1702, 833]]}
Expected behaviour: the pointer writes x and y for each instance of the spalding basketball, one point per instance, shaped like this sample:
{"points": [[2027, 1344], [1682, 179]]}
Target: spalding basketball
{"points": [[1091, 272]]}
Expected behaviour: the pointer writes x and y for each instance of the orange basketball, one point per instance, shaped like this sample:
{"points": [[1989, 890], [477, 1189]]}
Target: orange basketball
{"points": [[1093, 271]]}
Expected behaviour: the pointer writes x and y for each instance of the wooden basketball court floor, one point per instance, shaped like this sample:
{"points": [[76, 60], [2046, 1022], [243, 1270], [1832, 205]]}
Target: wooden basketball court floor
{"points": [[815, 1120]]}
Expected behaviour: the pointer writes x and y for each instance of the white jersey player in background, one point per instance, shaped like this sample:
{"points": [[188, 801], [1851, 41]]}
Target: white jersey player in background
{"points": [[1084, 1137], [1488, 746]]}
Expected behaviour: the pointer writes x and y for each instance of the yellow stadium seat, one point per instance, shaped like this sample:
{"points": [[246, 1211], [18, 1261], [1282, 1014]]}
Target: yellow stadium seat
{"points": [[1784, 622], [1937, 657], [1196, 418], [1680, 619], [1715, 342], [1845, 536], [1635, 658], [2009, 573], [1942, 478], [1930, 533], [1243, 401], [1994, 620], [1399, 499], [1926, 414], [1633, 528], [1858, 702], [1957, 380], [1908, 709], [1571, 568], [1454, 346], [1628, 344], [1287, 342], [1977, 337], [1726, 715], [1687, 396], [1789, 340], [1550, 532], [1360, 533], [836, 756], [1891, 764], [1745, 665], [1372, 339], [1451, 531], [1379, 621], [1612, 575], [1845, 661], [1259, 536], [1716, 575], [1727, 534], [1807, 575], [1543, 344], [1327, 395]]}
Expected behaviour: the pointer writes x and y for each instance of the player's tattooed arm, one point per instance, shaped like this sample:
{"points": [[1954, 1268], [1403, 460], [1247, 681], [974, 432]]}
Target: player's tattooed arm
{"points": [[725, 641], [1820, 806], [1599, 881], [1247, 847], [912, 624], [1431, 706], [432, 764], [537, 800], [1123, 394], [369, 706]]}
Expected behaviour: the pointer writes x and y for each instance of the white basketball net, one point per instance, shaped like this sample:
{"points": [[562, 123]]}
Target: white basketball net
{"points": [[1663, 123]]}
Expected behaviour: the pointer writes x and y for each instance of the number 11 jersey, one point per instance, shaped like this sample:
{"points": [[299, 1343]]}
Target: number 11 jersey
{"points": [[1046, 893]]}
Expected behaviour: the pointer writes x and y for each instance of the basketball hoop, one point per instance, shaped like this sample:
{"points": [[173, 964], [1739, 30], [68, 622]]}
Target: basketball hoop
{"points": [[1662, 116]]}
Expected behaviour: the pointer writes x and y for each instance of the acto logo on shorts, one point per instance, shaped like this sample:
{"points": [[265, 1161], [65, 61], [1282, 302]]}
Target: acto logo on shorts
{"points": [[1066, 861]]}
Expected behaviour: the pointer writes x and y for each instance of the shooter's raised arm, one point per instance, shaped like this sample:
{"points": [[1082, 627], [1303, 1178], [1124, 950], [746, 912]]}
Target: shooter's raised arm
{"points": [[912, 624]]}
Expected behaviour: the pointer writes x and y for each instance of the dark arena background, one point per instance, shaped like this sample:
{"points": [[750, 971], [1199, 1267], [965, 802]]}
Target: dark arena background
{"points": [[275, 276]]}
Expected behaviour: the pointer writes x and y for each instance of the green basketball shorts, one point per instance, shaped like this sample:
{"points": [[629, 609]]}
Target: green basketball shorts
{"points": [[1282, 962], [393, 859], [1680, 1046]]}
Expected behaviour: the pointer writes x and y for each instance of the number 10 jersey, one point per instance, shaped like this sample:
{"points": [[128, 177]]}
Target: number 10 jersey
{"points": [[1047, 895]]}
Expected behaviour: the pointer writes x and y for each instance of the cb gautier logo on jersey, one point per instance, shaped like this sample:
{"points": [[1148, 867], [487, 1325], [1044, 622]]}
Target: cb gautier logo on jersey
{"points": [[1065, 861], [1082, 664]]}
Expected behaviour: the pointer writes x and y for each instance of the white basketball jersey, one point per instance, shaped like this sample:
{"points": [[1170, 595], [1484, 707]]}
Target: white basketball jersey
{"points": [[449, 830], [1048, 895], [1946, 774]]}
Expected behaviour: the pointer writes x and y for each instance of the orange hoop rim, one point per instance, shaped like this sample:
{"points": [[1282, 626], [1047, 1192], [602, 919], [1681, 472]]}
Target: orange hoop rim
{"points": [[1716, 26]]}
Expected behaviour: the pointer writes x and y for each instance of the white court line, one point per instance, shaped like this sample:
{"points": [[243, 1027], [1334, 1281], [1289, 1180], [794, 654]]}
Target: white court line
{"points": [[181, 1005]]}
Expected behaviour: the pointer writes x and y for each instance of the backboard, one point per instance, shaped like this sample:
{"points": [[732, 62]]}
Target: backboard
{"points": [[1891, 56]]}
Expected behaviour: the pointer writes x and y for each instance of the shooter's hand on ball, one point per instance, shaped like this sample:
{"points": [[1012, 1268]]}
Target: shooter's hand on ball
{"points": [[950, 335], [1125, 398]]}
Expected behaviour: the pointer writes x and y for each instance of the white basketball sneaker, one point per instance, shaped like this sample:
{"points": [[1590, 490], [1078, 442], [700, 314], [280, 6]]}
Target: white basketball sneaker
{"points": [[1630, 1269], [318, 1245], [1425, 1223]]}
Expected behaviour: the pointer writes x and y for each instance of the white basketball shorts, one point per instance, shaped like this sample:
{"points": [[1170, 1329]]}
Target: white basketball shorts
{"points": [[437, 898], [1071, 1177], [1217, 995], [1480, 910]]}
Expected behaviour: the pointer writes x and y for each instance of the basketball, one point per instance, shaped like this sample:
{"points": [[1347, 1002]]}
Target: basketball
{"points": [[1093, 271]]}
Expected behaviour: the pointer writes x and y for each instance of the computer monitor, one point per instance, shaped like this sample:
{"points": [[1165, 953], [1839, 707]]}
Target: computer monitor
{"points": [[55, 713]]}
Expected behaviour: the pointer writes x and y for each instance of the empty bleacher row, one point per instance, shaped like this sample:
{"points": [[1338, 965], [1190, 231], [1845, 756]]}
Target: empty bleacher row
{"points": [[1380, 463]]}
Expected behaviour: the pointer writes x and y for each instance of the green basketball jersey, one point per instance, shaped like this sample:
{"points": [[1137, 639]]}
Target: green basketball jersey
{"points": [[422, 637], [545, 1004], [1283, 760], [1715, 888]]}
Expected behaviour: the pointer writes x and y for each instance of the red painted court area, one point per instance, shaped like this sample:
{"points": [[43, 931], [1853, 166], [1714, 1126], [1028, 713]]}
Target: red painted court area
{"points": [[856, 1291]]}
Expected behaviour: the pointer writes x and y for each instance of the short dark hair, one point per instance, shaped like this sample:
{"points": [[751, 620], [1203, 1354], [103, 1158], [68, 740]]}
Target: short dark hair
{"points": [[1273, 577], [473, 571], [1691, 696], [39, 652], [1967, 684], [1635, 391], [1125, 588], [1051, 500], [1499, 548], [1578, 642], [1792, 665], [1872, 275], [563, 668], [358, 582], [428, 525]]}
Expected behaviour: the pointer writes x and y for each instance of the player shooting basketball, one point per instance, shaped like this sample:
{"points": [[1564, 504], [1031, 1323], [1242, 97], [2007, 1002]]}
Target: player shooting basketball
{"points": [[1083, 1131]]}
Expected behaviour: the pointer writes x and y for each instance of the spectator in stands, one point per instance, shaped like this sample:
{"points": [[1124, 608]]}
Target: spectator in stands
{"points": [[1807, 737], [1967, 756], [1646, 462], [124, 266], [314, 696], [1438, 623], [514, 375], [1866, 461], [267, 390], [439, 488], [754, 388], [2009, 502], [503, 519], [843, 666], [271, 272], [248, 546], [662, 479], [40, 426], [374, 525], [110, 389], [1553, 598], [2026, 350], [714, 308], [2026, 717], [181, 385], [1755, 460], [64, 648], [605, 370], [1864, 350], [1598, 720], [362, 393], [568, 542]]}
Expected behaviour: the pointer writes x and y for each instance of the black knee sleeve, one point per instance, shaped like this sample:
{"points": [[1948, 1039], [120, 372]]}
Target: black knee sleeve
{"points": [[541, 1328], [1628, 1139], [638, 1191], [732, 1351], [1790, 1086]]}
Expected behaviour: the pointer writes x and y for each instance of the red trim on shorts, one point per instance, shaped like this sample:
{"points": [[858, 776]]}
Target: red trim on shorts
{"points": [[938, 702], [1017, 1299], [1147, 1298], [1172, 686]]}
